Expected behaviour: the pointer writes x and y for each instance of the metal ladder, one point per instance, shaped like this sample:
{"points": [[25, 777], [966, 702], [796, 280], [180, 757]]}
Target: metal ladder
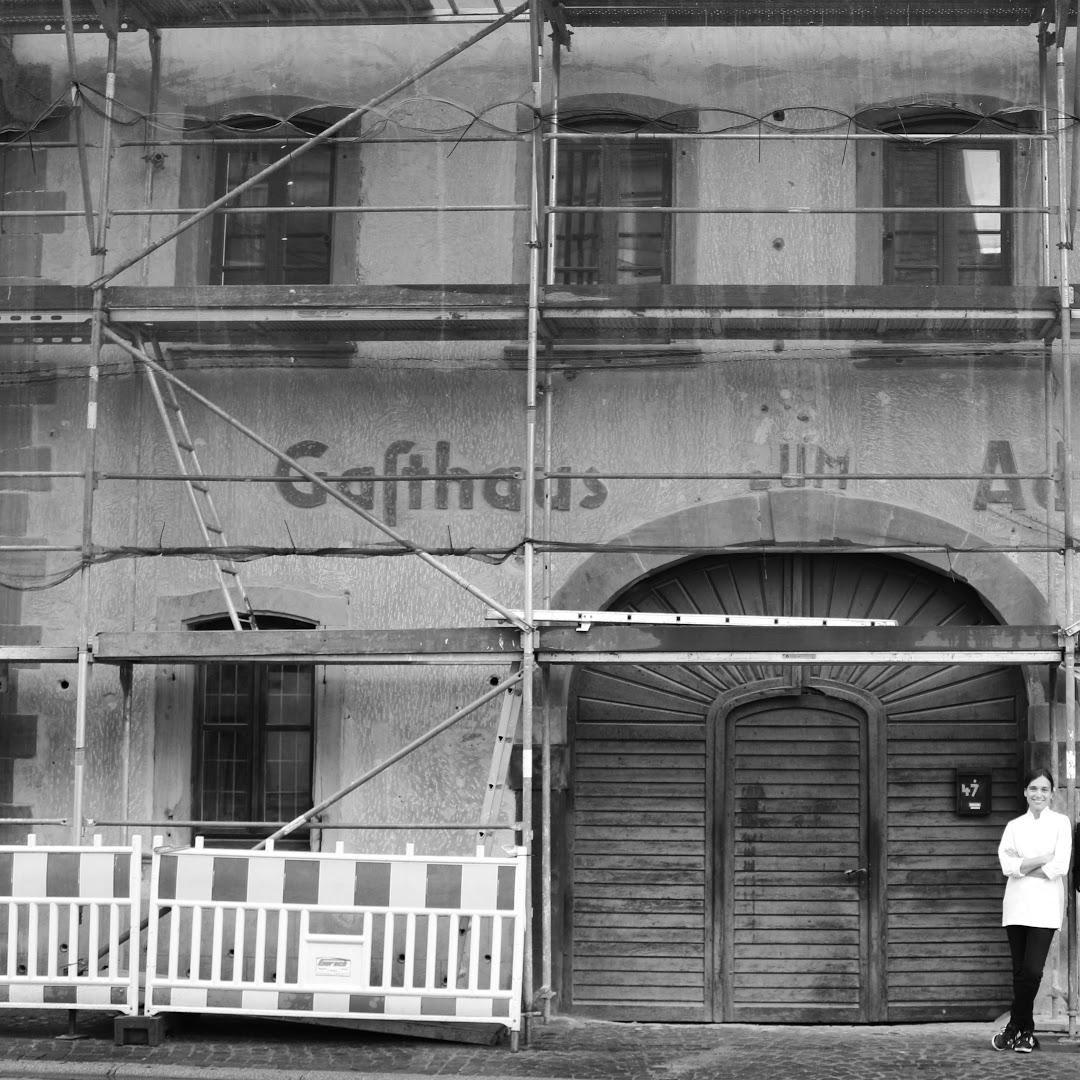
{"points": [[237, 603], [509, 717]]}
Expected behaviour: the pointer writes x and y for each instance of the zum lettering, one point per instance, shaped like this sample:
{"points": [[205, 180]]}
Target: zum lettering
{"points": [[794, 474]]}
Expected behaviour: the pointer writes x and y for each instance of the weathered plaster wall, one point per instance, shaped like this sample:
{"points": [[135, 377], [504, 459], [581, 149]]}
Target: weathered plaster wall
{"points": [[741, 409], [751, 411], [810, 81]]}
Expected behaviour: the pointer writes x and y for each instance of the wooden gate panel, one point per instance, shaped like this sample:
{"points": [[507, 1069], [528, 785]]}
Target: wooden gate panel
{"points": [[638, 872], [944, 884]]}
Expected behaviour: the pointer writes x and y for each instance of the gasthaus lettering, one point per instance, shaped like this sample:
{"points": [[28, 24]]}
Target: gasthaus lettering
{"points": [[500, 492]]}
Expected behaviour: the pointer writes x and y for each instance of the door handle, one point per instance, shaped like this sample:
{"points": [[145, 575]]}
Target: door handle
{"points": [[856, 871]]}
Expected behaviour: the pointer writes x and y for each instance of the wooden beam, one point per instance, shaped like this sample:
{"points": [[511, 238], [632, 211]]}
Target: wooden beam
{"points": [[455, 645], [38, 654], [737, 656], [778, 644], [601, 644], [812, 13], [402, 312]]}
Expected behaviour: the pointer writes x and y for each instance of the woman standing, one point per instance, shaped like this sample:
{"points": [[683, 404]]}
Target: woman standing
{"points": [[1034, 853]]}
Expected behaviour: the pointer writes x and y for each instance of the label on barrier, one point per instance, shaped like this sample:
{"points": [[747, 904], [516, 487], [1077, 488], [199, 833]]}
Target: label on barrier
{"points": [[336, 966]]}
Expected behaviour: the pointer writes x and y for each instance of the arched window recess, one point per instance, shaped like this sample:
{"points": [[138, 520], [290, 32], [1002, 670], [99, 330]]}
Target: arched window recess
{"points": [[943, 157], [254, 744], [289, 245]]}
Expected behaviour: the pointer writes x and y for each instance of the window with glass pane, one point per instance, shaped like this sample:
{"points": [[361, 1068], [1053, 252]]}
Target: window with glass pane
{"points": [[254, 744], [955, 248], [273, 249], [615, 248]]}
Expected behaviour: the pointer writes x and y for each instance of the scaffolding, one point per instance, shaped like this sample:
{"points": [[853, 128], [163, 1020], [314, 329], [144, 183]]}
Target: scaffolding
{"points": [[548, 323]]}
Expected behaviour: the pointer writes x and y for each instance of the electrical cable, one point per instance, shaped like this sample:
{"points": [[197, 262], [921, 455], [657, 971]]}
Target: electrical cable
{"points": [[906, 122]]}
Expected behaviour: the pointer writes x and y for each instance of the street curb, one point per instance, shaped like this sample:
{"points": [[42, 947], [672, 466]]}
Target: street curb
{"points": [[12, 1069]]}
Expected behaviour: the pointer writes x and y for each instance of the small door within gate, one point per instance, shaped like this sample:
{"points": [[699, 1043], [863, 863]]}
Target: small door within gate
{"points": [[797, 914]]}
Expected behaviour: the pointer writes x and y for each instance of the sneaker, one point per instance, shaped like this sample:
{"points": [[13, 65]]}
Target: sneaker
{"points": [[1006, 1038], [1026, 1042]]}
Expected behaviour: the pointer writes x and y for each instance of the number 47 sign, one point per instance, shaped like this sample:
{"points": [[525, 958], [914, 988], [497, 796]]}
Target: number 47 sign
{"points": [[973, 793]]}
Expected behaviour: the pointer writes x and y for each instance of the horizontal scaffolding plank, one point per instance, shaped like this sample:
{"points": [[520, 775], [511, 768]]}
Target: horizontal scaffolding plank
{"points": [[601, 644], [234, 314], [38, 654], [456, 645], [805, 12], [780, 644], [741, 656]]}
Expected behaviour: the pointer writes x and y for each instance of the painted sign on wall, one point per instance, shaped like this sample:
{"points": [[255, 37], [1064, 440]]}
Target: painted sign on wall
{"points": [[799, 458], [1010, 490], [498, 488]]}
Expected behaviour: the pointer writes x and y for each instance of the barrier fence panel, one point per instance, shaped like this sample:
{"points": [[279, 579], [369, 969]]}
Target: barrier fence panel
{"points": [[337, 935], [69, 926]]}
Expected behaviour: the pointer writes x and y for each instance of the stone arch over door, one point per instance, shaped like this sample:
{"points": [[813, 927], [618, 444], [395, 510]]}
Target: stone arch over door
{"points": [[652, 840], [806, 516]]}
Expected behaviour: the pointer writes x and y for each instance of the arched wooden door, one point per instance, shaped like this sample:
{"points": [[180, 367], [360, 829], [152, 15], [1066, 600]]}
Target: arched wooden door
{"points": [[801, 883], [651, 845]]}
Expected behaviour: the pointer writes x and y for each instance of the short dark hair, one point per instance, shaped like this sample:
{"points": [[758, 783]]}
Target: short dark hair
{"points": [[1035, 774]]}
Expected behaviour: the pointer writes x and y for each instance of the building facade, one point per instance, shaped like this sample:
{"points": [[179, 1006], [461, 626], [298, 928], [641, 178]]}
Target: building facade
{"points": [[732, 310]]}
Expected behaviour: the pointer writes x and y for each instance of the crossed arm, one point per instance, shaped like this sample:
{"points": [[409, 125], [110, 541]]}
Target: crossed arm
{"points": [[1048, 865]]}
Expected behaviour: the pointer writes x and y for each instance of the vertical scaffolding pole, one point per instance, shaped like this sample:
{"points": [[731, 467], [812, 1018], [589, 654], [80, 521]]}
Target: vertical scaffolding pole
{"points": [[1065, 293], [126, 674], [545, 753], [80, 126], [553, 161], [1044, 151], [546, 228], [98, 247], [529, 635], [149, 156], [93, 377]]}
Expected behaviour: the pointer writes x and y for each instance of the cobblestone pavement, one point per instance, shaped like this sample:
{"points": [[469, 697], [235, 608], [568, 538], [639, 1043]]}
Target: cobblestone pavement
{"points": [[216, 1048]]}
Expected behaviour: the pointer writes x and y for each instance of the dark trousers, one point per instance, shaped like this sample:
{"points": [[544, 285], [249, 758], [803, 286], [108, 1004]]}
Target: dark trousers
{"points": [[1029, 946]]}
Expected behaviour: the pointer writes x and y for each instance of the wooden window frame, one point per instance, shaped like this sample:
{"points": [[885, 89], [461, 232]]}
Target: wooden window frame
{"points": [[947, 152], [275, 270], [607, 156]]}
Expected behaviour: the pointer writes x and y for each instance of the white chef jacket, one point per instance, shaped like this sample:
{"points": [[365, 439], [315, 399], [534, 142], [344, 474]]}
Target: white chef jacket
{"points": [[1031, 900]]}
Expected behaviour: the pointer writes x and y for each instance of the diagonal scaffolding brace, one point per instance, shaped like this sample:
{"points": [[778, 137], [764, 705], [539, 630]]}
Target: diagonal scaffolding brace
{"points": [[421, 553], [505, 684]]}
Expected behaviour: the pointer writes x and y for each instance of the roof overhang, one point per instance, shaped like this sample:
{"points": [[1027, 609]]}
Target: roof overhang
{"points": [[47, 16]]}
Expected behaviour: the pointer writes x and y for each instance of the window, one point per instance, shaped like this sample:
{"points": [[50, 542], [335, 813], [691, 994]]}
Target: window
{"points": [[626, 248], [948, 248], [273, 249], [254, 744]]}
